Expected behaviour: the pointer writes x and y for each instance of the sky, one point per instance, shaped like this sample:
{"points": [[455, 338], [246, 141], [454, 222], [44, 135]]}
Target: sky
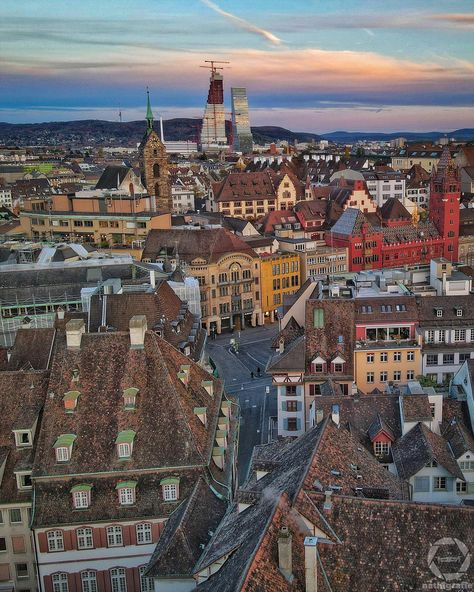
{"points": [[309, 65]]}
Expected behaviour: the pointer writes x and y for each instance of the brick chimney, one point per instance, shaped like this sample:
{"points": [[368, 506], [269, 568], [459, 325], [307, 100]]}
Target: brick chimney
{"points": [[138, 327], [74, 330], [285, 559]]}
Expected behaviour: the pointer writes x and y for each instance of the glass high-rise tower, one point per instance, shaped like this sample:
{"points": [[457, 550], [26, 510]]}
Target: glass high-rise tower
{"points": [[242, 134]]}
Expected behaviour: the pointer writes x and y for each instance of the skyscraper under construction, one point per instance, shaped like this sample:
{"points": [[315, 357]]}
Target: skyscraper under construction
{"points": [[241, 132], [213, 124]]}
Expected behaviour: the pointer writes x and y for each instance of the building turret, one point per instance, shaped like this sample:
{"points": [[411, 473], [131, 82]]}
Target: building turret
{"points": [[445, 194], [154, 165]]}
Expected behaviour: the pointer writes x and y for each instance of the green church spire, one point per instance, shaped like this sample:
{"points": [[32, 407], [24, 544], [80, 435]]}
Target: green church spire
{"points": [[149, 113]]}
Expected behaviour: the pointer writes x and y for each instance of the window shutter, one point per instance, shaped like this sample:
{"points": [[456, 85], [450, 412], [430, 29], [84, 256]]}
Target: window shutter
{"points": [[318, 318], [4, 572], [470, 487], [126, 535], [18, 543], [422, 484], [298, 423], [96, 537], [285, 424], [283, 406], [43, 543], [156, 529], [449, 483]]}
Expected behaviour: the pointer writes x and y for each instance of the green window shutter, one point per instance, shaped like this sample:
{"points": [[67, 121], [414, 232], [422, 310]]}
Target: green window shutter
{"points": [[318, 318]]}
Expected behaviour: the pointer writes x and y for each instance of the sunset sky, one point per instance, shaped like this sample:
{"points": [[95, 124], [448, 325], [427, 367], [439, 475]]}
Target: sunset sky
{"points": [[309, 65]]}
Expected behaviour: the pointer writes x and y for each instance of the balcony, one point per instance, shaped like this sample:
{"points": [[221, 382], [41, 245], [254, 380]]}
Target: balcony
{"points": [[394, 344]]}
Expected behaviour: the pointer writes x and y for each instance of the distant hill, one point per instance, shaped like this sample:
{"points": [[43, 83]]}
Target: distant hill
{"points": [[94, 132], [465, 134]]}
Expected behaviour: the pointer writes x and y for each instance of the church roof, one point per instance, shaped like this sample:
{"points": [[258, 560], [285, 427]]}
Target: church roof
{"points": [[112, 177]]}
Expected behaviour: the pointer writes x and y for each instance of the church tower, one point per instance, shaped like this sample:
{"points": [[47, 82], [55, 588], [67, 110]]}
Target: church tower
{"points": [[445, 194], [154, 166]]}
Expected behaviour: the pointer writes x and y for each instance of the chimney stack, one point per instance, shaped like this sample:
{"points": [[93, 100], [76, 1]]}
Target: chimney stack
{"points": [[60, 313], [138, 327], [74, 330], [311, 564], [285, 560], [281, 345], [335, 414]]}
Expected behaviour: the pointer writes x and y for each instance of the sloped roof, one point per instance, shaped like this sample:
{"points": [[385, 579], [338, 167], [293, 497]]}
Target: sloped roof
{"points": [[292, 358], [246, 186], [320, 458], [106, 366], [350, 223], [393, 209], [420, 446], [112, 177], [160, 307], [22, 396], [209, 244], [186, 532]]}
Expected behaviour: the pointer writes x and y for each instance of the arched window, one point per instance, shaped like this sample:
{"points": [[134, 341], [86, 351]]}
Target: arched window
{"points": [[157, 190], [156, 170]]}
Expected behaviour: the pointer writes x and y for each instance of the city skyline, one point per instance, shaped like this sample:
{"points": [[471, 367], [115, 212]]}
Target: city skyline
{"points": [[307, 66]]}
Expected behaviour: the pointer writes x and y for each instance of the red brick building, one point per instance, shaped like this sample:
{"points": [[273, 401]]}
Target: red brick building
{"points": [[393, 238]]}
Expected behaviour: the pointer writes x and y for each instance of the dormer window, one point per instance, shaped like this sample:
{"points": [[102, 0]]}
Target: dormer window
{"points": [[23, 480], [63, 447], [81, 496], [70, 401], [381, 448], [170, 488], [459, 312], [439, 312], [338, 365], [23, 438], [130, 398], [124, 443], [126, 492]]}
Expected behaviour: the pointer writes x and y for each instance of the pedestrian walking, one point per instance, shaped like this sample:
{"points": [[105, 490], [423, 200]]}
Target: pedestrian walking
{"points": [[251, 375], [258, 371]]}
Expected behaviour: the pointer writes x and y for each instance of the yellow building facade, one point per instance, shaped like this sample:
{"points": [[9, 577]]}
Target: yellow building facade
{"points": [[280, 275], [375, 365]]}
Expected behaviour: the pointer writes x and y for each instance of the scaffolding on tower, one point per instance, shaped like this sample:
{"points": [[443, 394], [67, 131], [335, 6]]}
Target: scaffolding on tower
{"points": [[213, 134]]}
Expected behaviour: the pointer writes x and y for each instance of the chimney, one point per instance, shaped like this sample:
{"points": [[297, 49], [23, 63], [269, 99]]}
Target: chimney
{"points": [[327, 507], [26, 323], [284, 553], [335, 414], [311, 564], [281, 345], [60, 313], [152, 278], [319, 415], [74, 330], [138, 329]]}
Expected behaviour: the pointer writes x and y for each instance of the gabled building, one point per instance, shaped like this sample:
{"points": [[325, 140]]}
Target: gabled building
{"points": [[131, 427], [259, 544], [22, 395], [254, 194], [394, 241], [445, 325], [228, 271]]}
